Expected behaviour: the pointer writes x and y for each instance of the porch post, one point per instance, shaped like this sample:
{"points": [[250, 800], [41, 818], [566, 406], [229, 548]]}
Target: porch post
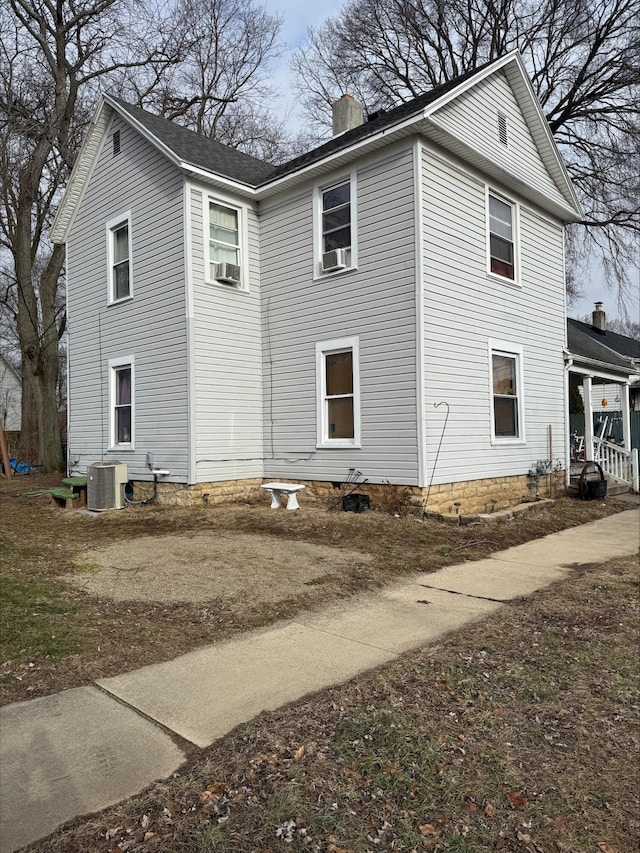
{"points": [[626, 415], [588, 419]]}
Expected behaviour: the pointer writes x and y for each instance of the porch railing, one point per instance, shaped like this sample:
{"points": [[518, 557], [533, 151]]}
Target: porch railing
{"points": [[621, 465]]}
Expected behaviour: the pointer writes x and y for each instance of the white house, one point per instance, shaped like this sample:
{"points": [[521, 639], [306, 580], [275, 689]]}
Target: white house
{"points": [[390, 303], [10, 396]]}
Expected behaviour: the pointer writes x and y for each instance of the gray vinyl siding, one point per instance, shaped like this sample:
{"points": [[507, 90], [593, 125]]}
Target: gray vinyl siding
{"points": [[227, 357], [375, 303], [473, 118], [466, 308], [151, 327]]}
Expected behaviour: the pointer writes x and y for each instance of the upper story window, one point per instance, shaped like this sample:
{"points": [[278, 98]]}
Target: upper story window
{"points": [[502, 236], [335, 226], [119, 257], [507, 405], [338, 393], [224, 244]]}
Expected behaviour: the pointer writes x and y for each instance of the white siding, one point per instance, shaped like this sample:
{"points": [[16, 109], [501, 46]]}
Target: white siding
{"points": [[10, 397], [466, 308], [376, 303], [151, 326], [473, 118], [227, 358]]}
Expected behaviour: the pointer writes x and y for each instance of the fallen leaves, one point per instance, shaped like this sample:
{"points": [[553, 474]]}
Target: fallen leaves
{"points": [[517, 800]]}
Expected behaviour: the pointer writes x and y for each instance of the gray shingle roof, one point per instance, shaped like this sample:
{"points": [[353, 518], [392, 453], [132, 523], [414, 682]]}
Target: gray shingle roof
{"points": [[583, 345], [378, 121], [209, 154], [198, 150], [621, 344]]}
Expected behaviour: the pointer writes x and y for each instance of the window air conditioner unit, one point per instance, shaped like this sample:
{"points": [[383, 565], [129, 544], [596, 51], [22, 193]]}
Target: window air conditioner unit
{"points": [[335, 260], [230, 273], [105, 485]]}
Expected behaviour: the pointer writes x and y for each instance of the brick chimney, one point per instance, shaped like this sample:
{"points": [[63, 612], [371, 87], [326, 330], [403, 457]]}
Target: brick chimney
{"points": [[599, 318], [347, 114]]}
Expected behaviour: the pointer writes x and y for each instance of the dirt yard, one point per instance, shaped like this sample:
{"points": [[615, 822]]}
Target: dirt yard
{"points": [[85, 597], [220, 566]]}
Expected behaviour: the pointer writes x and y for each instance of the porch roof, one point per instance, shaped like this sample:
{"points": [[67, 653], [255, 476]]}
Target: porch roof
{"points": [[585, 349]]}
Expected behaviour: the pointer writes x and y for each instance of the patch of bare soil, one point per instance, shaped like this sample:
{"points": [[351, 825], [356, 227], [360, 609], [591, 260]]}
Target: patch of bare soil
{"points": [[208, 566]]}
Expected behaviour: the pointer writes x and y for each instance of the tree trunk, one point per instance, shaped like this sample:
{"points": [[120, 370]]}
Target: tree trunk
{"points": [[38, 336]]}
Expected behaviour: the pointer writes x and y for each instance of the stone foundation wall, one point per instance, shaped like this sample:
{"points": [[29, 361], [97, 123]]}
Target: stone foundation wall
{"points": [[473, 496]]}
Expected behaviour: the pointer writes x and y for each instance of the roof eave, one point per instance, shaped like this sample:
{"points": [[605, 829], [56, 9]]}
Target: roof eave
{"points": [[513, 67], [600, 365], [81, 172]]}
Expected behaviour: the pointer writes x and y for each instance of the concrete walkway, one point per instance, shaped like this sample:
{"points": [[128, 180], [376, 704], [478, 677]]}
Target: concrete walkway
{"points": [[81, 750]]}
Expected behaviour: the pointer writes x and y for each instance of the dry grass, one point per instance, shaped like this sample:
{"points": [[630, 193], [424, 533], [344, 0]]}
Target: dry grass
{"points": [[55, 636], [519, 733]]}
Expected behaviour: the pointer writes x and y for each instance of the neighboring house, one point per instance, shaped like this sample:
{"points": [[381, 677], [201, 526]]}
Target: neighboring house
{"points": [[627, 350], [231, 321], [10, 396], [605, 368]]}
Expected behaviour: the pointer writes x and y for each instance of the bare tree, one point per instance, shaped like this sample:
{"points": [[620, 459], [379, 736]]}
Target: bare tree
{"points": [[192, 61], [583, 60]]}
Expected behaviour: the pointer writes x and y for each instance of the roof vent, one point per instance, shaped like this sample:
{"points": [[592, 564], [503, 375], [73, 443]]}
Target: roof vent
{"points": [[347, 114], [116, 142], [502, 129]]}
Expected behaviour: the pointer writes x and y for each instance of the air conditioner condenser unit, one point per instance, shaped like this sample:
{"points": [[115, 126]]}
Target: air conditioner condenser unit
{"points": [[105, 485]]}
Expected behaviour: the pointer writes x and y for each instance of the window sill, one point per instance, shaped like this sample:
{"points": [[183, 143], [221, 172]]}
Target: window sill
{"points": [[339, 444], [508, 442], [512, 282], [121, 448], [120, 301], [333, 273], [221, 285]]}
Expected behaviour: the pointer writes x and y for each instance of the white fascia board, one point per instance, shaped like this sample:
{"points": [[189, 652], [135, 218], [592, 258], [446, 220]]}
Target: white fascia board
{"points": [[217, 180], [344, 155], [591, 366], [81, 173]]}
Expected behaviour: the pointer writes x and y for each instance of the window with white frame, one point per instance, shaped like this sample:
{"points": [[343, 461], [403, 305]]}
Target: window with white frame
{"points": [[507, 405], [335, 225], [119, 257], [337, 368], [122, 403], [224, 244], [502, 236]]}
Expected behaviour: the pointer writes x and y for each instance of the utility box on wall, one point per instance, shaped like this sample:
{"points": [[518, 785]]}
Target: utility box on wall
{"points": [[105, 485]]}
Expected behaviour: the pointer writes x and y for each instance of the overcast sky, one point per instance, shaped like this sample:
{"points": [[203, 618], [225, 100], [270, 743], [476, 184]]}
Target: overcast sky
{"points": [[301, 14]]}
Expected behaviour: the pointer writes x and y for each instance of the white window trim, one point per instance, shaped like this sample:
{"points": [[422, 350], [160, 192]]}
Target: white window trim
{"points": [[324, 348], [243, 236], [497, 347], [112, 225], [319, 188], [114, 364], [515, 224]]}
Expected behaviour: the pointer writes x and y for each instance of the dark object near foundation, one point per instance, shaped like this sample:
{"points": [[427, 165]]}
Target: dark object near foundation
{"points": [[592, 484], [355, 503]]}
